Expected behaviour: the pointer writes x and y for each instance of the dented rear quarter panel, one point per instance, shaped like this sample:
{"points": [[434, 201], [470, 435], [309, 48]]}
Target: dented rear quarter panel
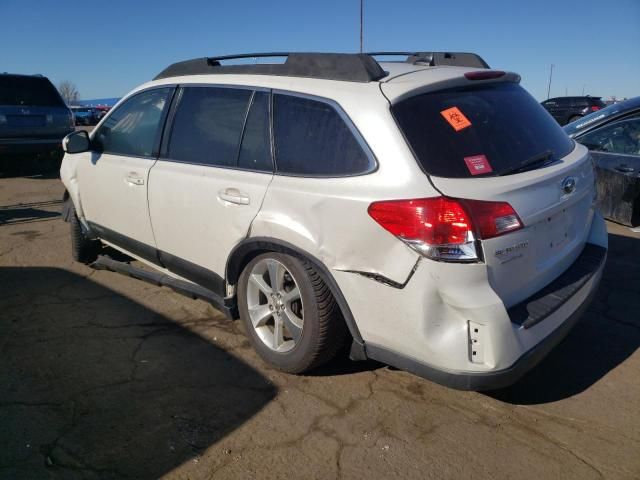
{"points": [[328, 218]]}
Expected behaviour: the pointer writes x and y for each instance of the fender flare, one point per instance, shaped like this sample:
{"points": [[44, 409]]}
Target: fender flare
{"points": [[66, 206], [249, 248]]}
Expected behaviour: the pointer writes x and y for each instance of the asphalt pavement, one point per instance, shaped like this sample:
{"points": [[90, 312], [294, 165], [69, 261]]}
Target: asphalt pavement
{"points": [[103, 376]]}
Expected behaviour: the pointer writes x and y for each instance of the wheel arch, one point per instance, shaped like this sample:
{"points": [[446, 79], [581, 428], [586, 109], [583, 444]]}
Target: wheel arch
{"points": [[250, 248]]}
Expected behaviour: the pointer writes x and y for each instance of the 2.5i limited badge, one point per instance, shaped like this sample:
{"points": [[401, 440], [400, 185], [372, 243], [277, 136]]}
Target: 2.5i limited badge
{"points": [[511, 253]]}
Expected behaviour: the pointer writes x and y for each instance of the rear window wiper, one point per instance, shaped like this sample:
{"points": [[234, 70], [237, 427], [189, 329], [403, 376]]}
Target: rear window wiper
{"points": [[539, 160]]}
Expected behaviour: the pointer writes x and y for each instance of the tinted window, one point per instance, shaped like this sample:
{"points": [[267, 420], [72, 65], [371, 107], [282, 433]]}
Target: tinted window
{"points": [[312, 139], [28, 91], [255, 152], [617, 137], [208, 125], [134, 127], [495, 129]]}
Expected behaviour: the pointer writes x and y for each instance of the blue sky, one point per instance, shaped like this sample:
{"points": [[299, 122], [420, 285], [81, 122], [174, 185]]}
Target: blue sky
{"points": [[107, 48]]}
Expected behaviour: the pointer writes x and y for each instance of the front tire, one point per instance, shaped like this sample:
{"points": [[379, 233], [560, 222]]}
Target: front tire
{"points": [[290, 315], [83, 249]]}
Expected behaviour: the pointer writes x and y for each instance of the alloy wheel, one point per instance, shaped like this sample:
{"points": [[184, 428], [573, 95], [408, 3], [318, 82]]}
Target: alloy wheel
{"points": [[275, 305]]}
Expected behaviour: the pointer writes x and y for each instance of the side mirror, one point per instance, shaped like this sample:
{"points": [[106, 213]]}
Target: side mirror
{"points": [[76, 142]]}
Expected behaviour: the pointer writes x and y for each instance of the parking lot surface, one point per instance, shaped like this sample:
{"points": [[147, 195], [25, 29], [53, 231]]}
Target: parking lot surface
{"points": [[103, 376]]}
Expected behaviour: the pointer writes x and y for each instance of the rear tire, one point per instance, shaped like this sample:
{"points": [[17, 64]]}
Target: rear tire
{"points": [[83, 249], [311, 328]]}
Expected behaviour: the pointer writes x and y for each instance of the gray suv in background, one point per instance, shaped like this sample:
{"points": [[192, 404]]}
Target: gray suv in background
{"points": [[33, 117]]}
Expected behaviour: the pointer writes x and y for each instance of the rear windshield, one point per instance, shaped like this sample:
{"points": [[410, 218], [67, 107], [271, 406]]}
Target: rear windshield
{"points": [[28, 91], [488, 130]]}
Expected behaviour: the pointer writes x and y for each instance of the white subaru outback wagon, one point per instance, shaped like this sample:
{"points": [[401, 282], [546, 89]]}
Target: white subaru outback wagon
{"points": [[426, 211]]}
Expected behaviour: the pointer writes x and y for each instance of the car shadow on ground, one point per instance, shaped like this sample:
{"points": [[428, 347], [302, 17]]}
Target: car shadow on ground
{"points": [[95, 385], [604, 338], [29, 212], [25, 165]]}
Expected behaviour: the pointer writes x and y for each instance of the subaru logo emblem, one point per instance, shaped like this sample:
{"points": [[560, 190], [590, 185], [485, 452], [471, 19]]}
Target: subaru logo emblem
{"points": [[568, 185]]}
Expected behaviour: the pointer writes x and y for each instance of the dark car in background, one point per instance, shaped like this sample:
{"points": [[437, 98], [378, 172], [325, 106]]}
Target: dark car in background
{"points": [[613, 137], [86, 115], [33, 117], [102, 110], [570, 109]]}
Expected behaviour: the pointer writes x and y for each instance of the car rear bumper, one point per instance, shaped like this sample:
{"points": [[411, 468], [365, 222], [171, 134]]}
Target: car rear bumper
{"points": [[447, 324], [495, 379]]}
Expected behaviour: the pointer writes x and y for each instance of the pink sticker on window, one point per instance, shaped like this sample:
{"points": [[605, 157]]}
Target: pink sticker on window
{"points": [[478, 164]]}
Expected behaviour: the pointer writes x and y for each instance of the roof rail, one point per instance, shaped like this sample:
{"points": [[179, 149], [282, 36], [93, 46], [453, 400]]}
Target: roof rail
{"points": [[351, 67], [433, 59]]}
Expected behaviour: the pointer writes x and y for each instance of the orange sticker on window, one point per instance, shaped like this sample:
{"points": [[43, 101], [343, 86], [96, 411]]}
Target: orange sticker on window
{"points": [[455, 118]]}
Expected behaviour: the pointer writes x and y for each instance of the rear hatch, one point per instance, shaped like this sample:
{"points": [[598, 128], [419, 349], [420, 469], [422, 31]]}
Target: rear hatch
{"points": [[30, 107], [492, 141]]}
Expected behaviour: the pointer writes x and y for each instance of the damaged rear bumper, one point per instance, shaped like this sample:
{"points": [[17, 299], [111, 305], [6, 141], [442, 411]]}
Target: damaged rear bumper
{"points": [[490, 380], [427, 325]]}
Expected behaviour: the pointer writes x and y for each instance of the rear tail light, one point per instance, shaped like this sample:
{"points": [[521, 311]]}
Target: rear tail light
{"points": [[444, 228], [595, 108], [493, 219], [484, 74]]}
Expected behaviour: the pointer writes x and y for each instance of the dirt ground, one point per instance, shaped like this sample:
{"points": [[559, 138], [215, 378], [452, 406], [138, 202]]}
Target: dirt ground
{"points": [[103, 376]]}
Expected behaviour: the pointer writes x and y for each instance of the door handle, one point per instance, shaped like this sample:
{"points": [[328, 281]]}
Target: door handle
{"points": [[233, 195], [134, 179]]}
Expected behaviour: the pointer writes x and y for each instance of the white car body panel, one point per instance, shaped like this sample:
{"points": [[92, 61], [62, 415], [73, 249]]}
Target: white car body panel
{"points": [[427, 320], [116, 193], [556, 225], [190, 218]]}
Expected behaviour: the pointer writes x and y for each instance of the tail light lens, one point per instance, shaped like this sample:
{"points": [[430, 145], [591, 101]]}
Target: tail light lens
{"points": [[595, 108], [484, 74], [444, 228], [493, 219]]}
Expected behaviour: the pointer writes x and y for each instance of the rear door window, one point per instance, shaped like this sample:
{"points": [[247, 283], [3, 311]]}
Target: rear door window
{"points": [[312, 139], [28, 91], [208, 125], [255, 151], [494, 130]]}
